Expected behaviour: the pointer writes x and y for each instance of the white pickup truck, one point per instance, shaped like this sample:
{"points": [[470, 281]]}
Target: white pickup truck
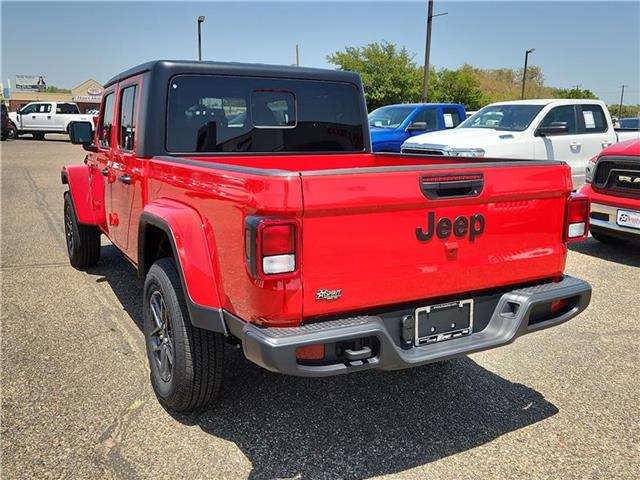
{"points": [[569, 130], [39, 118]]}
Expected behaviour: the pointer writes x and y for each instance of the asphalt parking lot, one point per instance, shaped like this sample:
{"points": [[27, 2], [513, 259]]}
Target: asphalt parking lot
{"points": [[77, 403]]}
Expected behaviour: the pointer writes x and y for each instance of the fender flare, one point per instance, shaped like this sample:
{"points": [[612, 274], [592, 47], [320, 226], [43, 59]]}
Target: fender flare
{"points": [[183, 226], [77, 177]]}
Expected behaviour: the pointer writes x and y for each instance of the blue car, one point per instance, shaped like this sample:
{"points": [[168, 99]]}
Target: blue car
{"points": [[390, 126]]}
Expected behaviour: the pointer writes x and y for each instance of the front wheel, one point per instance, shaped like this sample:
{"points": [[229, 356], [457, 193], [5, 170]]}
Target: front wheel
{"points": [[83, 241], [186, 362]]}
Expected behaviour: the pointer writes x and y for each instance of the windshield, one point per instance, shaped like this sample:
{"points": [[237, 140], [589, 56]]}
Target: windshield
{"points": [[513, 118], [389, 117]]}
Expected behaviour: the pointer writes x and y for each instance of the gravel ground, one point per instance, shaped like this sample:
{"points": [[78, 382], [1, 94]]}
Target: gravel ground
{"points": [[76, 400]]}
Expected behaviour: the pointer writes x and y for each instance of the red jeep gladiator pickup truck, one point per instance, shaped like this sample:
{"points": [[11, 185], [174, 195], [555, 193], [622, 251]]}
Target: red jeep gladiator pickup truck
{"points": [[249, 200], [613, 185]]}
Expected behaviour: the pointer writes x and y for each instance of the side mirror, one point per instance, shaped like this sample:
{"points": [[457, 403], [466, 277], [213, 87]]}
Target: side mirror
{"points": [[554, 128], [417, 126], [81, 133]]}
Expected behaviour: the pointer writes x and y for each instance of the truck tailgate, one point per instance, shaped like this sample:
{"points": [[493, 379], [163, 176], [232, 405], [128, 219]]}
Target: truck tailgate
{"points": [[366, 232]]}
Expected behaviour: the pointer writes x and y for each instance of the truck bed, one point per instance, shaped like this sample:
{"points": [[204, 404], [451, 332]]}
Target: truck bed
{"points": [[359, 216]]}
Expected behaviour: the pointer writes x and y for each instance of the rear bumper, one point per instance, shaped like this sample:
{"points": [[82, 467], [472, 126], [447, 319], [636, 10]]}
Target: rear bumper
{"points": [[275, 348]]}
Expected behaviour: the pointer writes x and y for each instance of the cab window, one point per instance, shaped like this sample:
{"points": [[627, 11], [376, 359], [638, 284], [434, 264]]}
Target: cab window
{"points": [[127, 131], [565, 113], [592, 119], [451, 117], [106, 121], [428, 116], [67, 108]]}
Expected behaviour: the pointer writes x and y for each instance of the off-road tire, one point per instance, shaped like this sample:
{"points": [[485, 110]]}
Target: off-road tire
{"points": [[198, 355], [608, 239], [83, 241]]}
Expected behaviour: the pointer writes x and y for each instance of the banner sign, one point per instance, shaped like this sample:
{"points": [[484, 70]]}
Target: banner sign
{"points": [[35, 83]]}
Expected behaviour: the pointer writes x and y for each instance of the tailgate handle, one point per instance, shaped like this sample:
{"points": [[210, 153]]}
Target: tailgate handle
{"points": [[436, 187]]}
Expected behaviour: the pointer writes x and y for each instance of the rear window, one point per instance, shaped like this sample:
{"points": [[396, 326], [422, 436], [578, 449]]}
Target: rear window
{"points": [[208, 114], [67, 108]]}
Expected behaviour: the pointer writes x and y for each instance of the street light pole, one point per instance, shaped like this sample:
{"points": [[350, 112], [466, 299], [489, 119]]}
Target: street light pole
{"points": [[621, 98], [200, 21], [427, 52], [524, 73]]}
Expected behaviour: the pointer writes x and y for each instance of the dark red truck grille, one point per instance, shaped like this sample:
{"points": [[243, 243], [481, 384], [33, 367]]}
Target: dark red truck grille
{"points": [[618, 176]]}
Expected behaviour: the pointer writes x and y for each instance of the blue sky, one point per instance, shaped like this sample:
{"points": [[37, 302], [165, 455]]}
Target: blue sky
{"points": [[593, 44]]}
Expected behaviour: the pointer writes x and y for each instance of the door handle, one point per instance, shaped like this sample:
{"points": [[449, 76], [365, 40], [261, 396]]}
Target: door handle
{"points": [[105, 172], [126, 179], [48, 117], [33, 116]]}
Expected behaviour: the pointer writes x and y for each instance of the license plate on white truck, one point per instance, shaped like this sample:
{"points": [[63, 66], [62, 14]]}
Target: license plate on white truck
{"points": [[629, 218]]}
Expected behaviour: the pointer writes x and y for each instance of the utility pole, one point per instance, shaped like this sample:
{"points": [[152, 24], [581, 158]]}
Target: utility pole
{"points": [[200, 21], [297, 55], [427, 52], [621, 98], [524, 73]]}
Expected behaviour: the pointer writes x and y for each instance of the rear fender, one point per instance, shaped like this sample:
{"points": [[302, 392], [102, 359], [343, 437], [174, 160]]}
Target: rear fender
{"points": [[192, 252], [77, 177]]}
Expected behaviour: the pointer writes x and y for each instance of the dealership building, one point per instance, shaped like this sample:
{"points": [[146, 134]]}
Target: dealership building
{"points": [[87, 95]]}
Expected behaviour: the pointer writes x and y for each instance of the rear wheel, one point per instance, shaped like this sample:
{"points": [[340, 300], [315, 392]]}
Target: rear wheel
{"points": [[38, 136], [185, 361], [604, 238], [83, 241]]}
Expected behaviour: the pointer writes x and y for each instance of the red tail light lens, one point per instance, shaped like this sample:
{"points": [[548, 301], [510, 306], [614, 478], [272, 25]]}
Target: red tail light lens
{"points": [[577, 218], [278, 239], [271, 247]]}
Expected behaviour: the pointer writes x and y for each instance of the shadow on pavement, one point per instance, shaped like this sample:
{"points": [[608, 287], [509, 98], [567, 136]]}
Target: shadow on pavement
{"points": [[349, 426], [624, 254]]}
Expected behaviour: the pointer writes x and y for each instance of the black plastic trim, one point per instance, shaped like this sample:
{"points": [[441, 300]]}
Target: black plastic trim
{"points": [[207, 318]]}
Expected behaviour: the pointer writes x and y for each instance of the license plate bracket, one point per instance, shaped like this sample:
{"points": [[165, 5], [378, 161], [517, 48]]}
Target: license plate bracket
{"points": [[444, 321], [628, 218]]}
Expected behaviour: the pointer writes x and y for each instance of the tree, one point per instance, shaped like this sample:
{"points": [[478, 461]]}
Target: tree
{"points": [[575, 92], [457, 86], [626, 112], [389, 75]]}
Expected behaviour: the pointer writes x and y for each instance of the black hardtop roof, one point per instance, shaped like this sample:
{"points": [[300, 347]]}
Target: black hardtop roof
{"points": [[176, 67]]}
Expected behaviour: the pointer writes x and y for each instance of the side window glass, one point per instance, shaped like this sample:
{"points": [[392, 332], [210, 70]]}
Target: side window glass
{"points": [[428, 116], [29, 109], [563, 114], [106, 121], [127, 131], [593, 119], [451, 117]]}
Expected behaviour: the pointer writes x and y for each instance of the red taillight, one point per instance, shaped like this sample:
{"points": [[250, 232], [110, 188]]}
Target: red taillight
{"points": [[271, 247], [278, 239], [577, 218], [310, 352]]}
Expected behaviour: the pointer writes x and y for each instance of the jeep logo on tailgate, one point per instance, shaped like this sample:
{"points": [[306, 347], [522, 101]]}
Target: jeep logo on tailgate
{"points": [[460, 227]]}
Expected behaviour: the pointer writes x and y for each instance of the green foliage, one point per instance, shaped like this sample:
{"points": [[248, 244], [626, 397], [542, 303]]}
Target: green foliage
{"points": [[389, 75], [575, 92], [457, 86], [626, 111], [52, 89]]}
